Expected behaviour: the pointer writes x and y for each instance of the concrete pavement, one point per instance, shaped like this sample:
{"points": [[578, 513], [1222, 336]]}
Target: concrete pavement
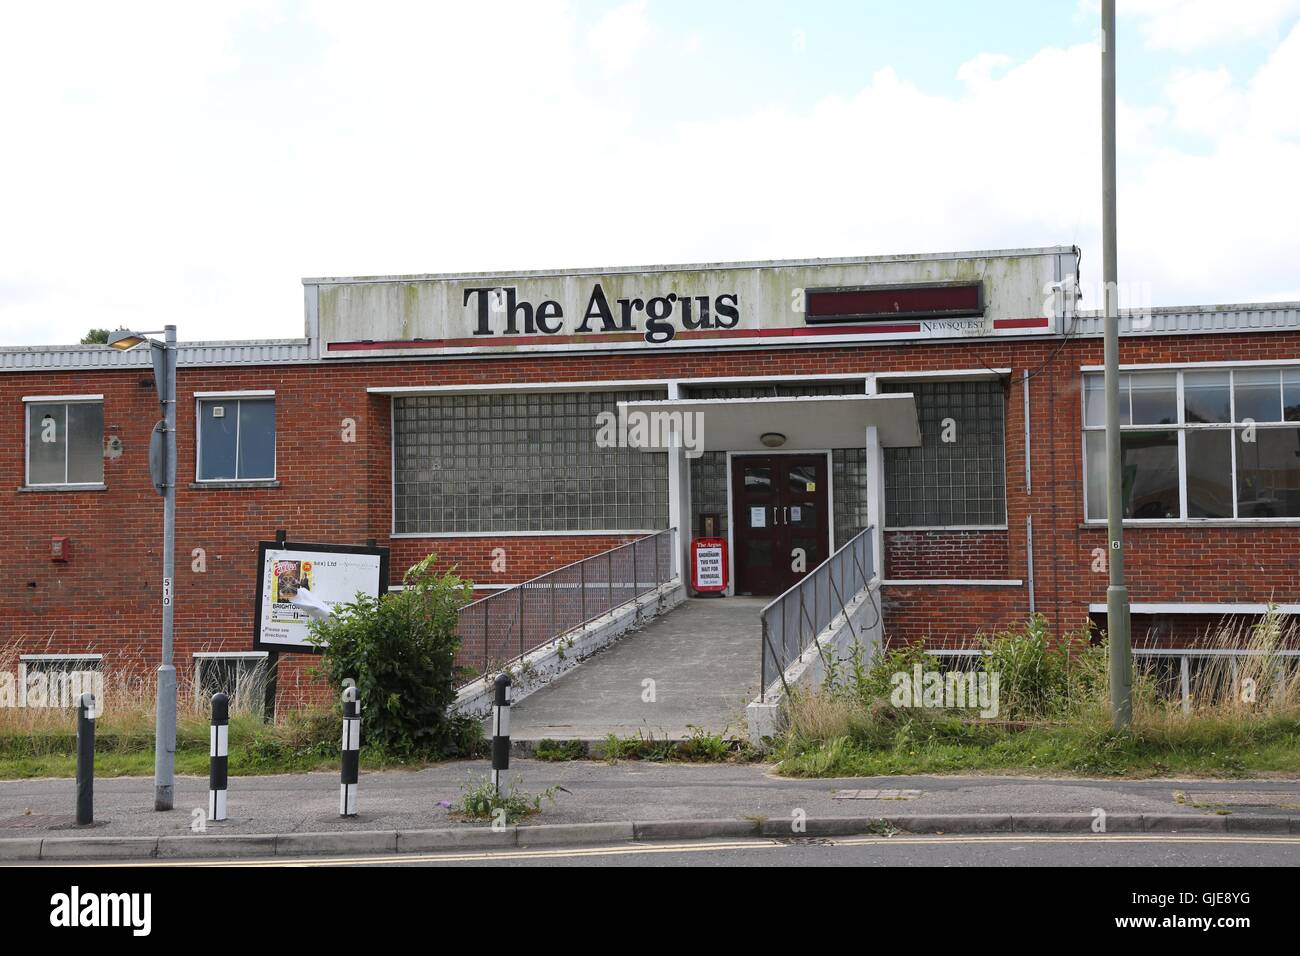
{"points": [[278, 815], [702, 659]]}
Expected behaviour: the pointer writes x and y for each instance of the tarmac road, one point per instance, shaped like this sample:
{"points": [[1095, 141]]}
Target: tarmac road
{"points": [[1084, 850]]}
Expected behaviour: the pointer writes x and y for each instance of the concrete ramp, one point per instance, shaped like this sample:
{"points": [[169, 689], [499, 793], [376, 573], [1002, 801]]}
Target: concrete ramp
{"points": [[703, 658]]}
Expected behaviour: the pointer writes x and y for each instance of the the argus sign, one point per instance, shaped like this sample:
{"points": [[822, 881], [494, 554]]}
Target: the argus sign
{"points": [[299, 583], [668, 307]]}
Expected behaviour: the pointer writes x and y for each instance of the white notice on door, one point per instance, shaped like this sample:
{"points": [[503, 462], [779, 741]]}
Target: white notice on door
{"points": [[796, 514], [758, 517]]}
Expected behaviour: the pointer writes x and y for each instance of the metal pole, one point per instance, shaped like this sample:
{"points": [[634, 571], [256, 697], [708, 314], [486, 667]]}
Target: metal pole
{"points": [[86, 760], [1117, 608], [655, 541], [500, 730], [165, 718], [218, 757], [350, 765]]}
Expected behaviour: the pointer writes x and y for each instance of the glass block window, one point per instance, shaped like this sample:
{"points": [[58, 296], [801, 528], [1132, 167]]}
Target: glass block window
{"points": [[849, 487], [957, 477], [709, 490], [521, 462], [1227, 445]]}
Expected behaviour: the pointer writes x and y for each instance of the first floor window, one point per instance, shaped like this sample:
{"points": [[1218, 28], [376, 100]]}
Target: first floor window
{"points": [[65, 442], [236, 439], [1199, 444]]}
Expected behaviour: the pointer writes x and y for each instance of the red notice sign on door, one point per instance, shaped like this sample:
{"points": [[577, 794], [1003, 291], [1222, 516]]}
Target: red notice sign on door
{"points": [[709, 564]]}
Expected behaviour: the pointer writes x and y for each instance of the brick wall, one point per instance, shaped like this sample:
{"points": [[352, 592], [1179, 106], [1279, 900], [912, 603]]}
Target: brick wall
{"points": [[106, 598], [946, 554]]}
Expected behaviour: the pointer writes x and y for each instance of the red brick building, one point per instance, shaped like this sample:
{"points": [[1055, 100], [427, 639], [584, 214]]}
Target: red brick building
{"points": [[947, 401]]}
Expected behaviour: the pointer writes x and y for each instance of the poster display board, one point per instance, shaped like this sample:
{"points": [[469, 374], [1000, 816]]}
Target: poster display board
{"points": [[709, 565], [298, 583]]}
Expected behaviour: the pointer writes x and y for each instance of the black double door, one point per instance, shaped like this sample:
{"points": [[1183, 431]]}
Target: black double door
{"points": [[779, 520]]}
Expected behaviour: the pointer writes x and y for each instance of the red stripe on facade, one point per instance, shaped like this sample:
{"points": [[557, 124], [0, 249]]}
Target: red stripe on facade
{"points": [[1038, 323], [593, 338]]}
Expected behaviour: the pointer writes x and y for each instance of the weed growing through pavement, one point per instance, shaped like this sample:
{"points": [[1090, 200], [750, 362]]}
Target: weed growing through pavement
{"points": [[482, 801]]}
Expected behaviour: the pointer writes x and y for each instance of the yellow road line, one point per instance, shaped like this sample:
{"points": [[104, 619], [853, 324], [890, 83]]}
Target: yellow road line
{"points": [[1070, 838], [693, 847], [638, 849]]}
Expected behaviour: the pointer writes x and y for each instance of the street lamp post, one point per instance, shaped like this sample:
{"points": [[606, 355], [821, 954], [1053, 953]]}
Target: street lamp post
{"points": [[162, 465], [1117, 606]]}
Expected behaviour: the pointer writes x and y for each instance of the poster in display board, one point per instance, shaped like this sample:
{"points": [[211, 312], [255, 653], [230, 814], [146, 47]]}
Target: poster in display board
{"points": [[298, 583]]}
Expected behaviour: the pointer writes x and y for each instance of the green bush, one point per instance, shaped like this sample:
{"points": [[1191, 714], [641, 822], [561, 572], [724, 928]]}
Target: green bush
{"points": [[401, 649], [1041, 676]]}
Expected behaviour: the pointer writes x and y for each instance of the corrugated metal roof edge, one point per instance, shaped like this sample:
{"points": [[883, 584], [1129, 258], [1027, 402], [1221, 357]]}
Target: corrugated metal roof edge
{"points": [[23, 358], [1165, 320]]}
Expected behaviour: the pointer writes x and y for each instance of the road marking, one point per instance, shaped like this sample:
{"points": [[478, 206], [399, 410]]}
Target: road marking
{"points": [[636, 849], [1067, 838], [633, 848]]}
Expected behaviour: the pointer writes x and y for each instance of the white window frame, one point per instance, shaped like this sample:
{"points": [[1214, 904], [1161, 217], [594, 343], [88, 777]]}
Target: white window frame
{"points": [[97, 660], [201, 657], [199, 399], [1182, 428], [65, 401]]}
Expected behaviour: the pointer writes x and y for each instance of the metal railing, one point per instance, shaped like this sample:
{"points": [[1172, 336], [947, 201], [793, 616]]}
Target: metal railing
{"points": [[502, 627], [793, 620]]}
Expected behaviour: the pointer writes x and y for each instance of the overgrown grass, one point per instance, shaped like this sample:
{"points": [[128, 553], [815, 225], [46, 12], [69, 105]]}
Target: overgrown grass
{"points": [[1053, 715], [304, 741], [560, 751], [699, 747], [41, 741]]}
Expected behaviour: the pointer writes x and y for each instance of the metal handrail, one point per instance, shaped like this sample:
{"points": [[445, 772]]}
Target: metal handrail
{"points": [[524, 616], [843, 576]]}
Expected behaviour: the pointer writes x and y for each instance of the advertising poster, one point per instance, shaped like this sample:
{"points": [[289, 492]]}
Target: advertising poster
{"points": [[299, 583]]}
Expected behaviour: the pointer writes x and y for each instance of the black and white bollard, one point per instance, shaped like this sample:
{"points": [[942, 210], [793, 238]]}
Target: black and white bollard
{"points": [[351, 753], [500, 730], [218, 762], [86, 760]]}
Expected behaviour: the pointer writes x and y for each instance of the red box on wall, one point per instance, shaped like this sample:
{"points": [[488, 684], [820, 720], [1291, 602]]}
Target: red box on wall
{"points": [[60, 548], [709, 565]]}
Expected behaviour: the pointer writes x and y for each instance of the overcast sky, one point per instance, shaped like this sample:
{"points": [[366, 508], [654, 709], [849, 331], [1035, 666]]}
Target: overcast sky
{"points": [[191, 162]]}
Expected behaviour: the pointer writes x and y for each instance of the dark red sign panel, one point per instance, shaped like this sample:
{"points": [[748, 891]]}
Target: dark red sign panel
{"points": [[877, 303]]}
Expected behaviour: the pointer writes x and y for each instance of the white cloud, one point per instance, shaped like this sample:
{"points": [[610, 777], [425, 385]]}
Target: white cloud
{"points": [[198, 186], [1188, 25], [980, 69], [619, 34]]}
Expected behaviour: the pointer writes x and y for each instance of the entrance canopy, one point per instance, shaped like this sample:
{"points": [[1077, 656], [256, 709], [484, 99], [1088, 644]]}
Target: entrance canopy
{"points": [[790, 424]]}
